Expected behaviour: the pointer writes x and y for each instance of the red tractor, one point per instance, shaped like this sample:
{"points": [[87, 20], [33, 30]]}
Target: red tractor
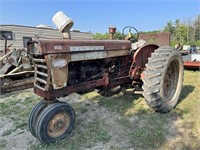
{"points": [[64, 66]]}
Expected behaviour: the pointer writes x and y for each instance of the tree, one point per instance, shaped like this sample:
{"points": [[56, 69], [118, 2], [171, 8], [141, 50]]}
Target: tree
{"points": [[181, 32], [100, 36], [171, 29], [197, 28], [118, 36]]}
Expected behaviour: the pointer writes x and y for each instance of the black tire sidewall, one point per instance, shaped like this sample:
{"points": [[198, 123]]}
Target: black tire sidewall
{"points": [[47, 115], [32, 119], [168, 105], [155, 75]]}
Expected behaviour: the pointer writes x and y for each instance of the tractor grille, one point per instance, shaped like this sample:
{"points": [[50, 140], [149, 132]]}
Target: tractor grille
{"points": [[41, 73]]}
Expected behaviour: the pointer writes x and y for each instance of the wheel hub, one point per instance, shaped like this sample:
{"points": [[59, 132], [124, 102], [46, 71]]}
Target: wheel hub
{"points": [[58, 124]]}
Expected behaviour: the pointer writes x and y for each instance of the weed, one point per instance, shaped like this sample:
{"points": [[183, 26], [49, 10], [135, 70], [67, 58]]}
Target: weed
{"points": [[87, 137], [8, 132], [150, 132], [3, 143]]}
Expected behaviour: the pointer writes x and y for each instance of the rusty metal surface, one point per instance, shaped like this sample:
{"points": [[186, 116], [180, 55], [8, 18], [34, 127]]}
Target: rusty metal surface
{"points": [[52, 94], [59, 69], [55, 65], [58, 125], [119, 81], [16, 71], [16, 85], [68, 66], [83, 56], [161, 39], [136, 73], [42, 73], [88, 56], [191, 64], [50, 46], [142, 54], [56, 71], [112, 31], [115, 53]]}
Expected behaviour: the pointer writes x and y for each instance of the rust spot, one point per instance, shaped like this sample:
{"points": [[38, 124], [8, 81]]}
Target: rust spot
{"points": [[59, 69], [161, 39]]}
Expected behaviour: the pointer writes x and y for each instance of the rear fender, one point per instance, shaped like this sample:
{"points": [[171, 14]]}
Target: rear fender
{"points": [[140, 57]]}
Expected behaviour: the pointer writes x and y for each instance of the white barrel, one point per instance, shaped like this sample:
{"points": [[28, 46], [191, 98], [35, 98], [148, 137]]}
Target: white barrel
{"points": [[62, 22]]}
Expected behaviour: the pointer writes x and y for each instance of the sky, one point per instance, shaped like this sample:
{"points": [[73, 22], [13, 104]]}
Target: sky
{"points": [[98, 15]]}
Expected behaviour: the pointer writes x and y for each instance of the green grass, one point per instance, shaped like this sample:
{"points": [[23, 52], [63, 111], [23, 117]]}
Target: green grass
{"points": [[150, 132], [3, 143], [8, 132], [189, 110], [17, 107], [128, 120], [87, 137], [117, 103]]}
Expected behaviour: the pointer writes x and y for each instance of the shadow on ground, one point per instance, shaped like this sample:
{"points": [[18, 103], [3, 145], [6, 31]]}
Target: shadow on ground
{"points": [[186, 90]]}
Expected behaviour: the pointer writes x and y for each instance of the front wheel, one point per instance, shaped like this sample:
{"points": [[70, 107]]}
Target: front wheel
{"points": [[32, 119], [55, 122], [163, 79]]}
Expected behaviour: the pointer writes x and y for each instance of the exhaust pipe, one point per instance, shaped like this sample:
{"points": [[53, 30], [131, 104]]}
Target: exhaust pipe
{"points": [[63, 23]]}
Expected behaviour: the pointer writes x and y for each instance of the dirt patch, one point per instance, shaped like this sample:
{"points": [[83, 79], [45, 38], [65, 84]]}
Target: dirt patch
{"points": [[19, 139], [92, 113]]}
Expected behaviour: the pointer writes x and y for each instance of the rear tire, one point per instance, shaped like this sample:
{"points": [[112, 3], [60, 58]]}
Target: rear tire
{"points": [[163, 79]]}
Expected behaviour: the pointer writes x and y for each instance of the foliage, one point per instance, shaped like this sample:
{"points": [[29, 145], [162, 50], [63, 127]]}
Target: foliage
{"points": [[118, 35], [187, 32], [100, 36]]}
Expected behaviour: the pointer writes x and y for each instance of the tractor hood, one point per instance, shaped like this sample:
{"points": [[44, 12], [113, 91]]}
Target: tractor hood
{"points": [[54, 46]]}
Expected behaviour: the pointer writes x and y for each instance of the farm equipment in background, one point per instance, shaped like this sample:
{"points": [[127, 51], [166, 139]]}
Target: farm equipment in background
{"points": [[191, 57], [191, 61], [16, 69], [64, 66]]}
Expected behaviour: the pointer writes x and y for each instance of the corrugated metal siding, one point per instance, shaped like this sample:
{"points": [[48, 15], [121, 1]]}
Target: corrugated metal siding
{"points": [[24, 31]]}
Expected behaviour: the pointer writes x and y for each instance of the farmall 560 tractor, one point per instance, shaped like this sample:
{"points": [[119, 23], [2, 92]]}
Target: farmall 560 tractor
{"points": [[64, 66]]}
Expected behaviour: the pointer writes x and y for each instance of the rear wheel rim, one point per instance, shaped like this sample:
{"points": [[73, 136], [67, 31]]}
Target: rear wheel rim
{"points": [[171, 80]]}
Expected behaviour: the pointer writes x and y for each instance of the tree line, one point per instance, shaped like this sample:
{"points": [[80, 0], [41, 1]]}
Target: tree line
{"points": [[185, 32]]}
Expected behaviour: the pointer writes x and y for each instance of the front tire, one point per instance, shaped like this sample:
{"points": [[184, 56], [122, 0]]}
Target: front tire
{"points": [[163, 79], [55, 122], [32, 119]]}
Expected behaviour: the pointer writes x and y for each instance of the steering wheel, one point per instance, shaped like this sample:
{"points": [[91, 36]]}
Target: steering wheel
{"points": [[133, 38]]}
